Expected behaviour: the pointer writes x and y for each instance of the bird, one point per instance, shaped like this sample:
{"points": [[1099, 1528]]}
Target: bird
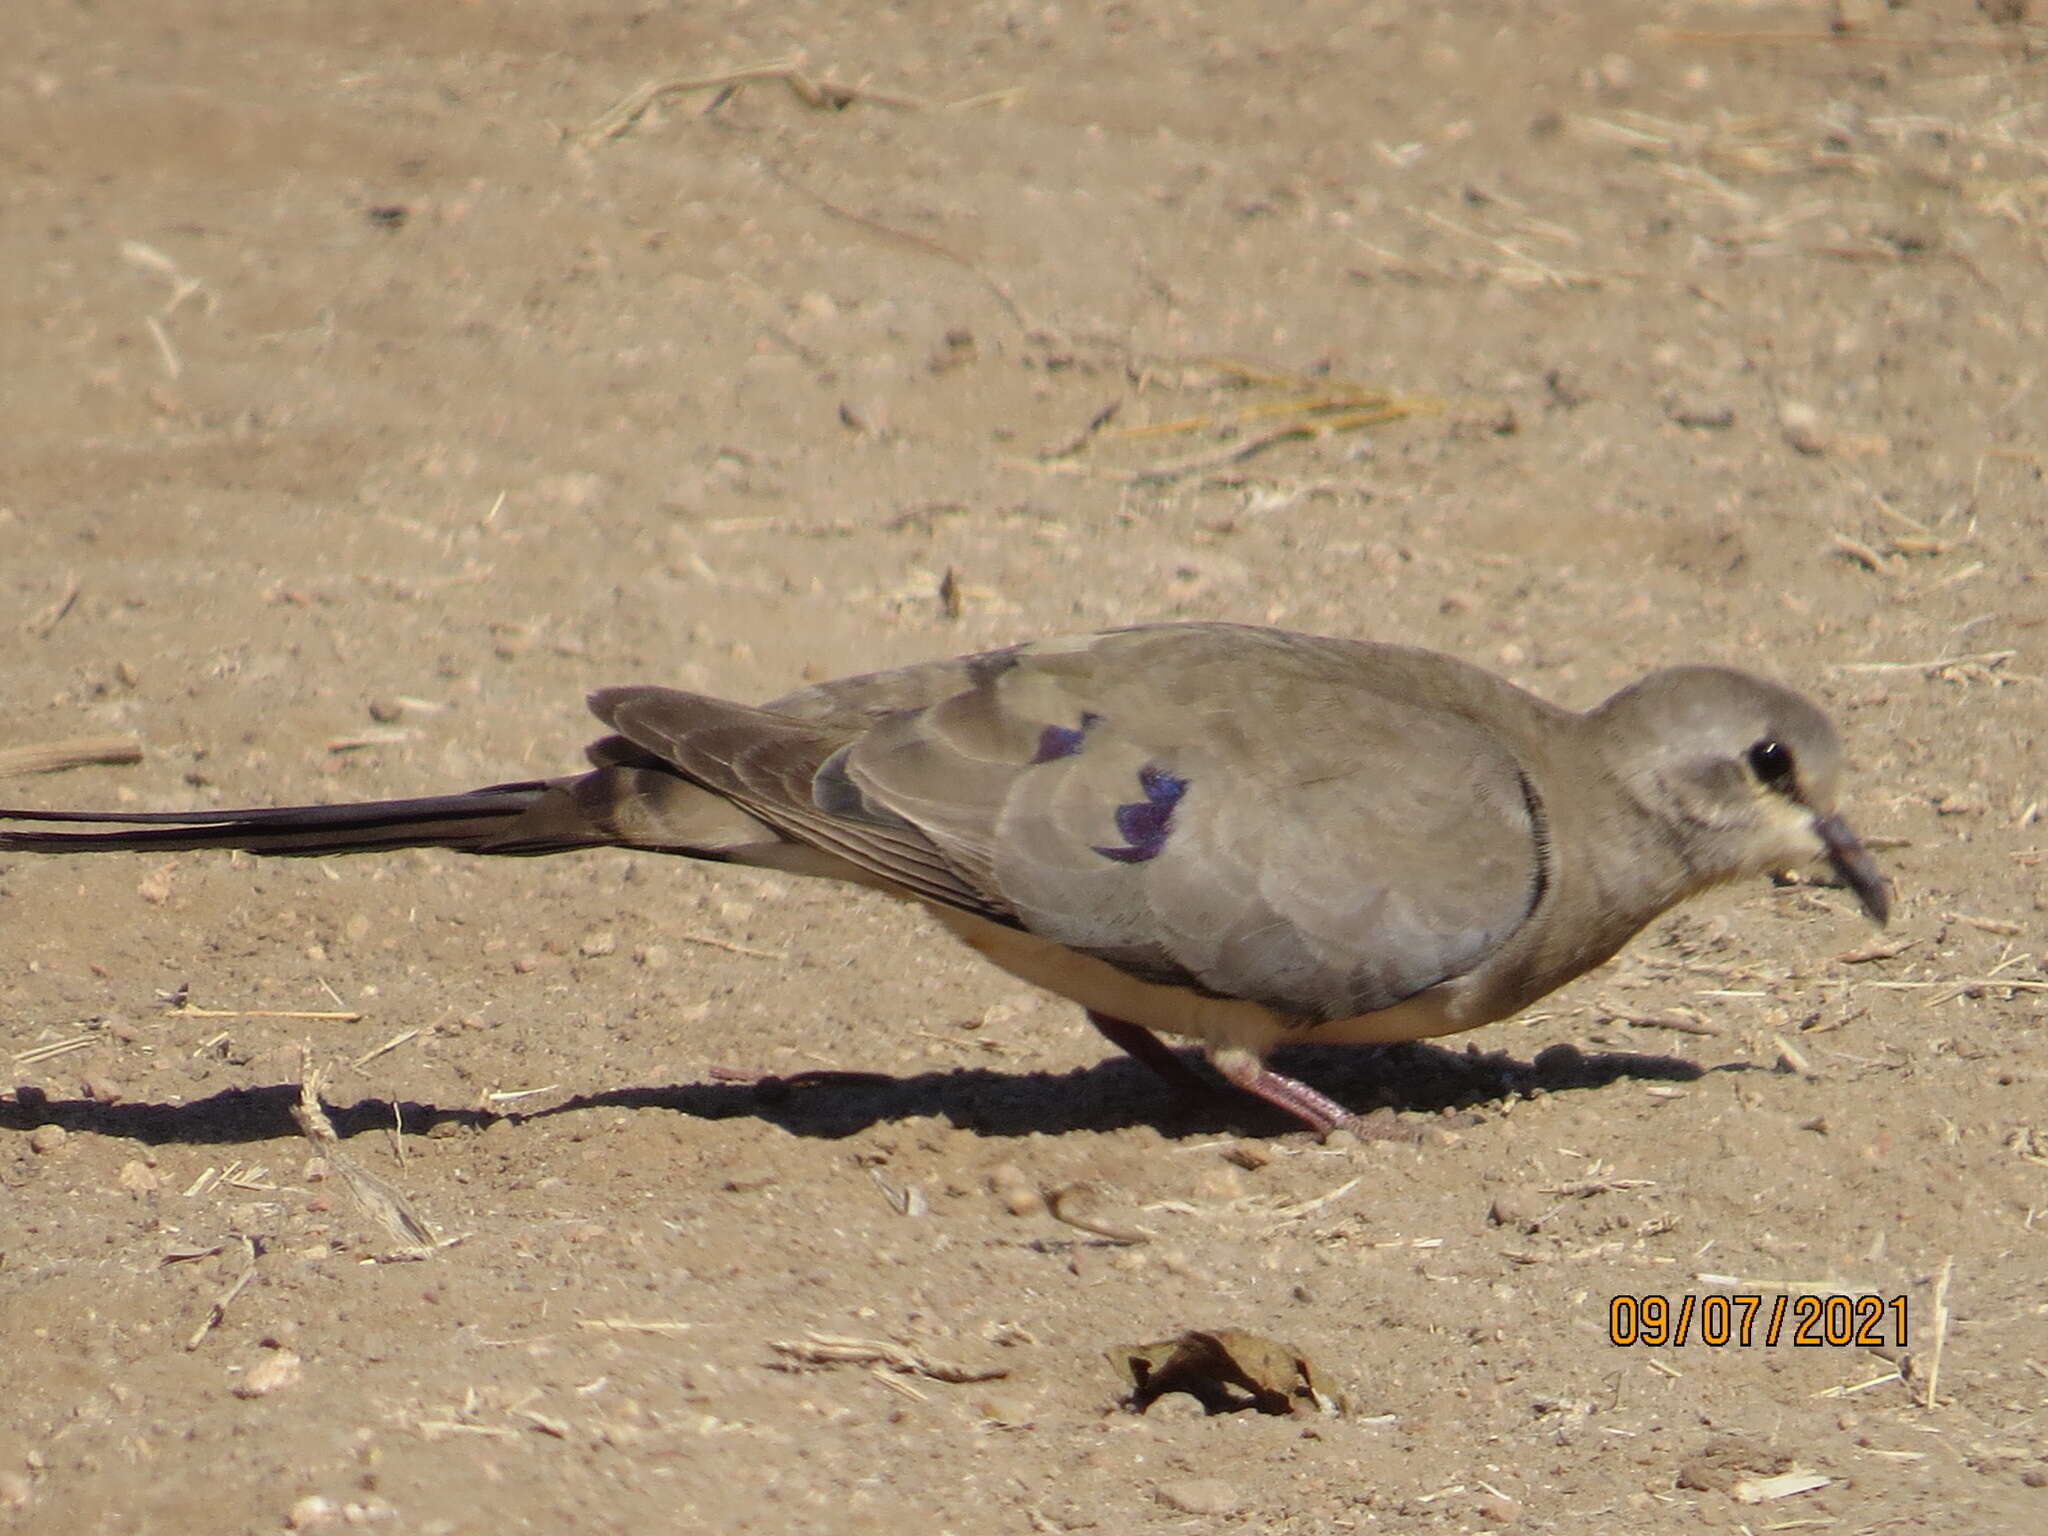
{"points": [[1232, 834]]}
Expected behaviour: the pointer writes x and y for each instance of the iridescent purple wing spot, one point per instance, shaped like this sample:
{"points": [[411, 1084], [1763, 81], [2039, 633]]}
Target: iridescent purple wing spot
{"points": [[1058, 741], [1143, 824]]}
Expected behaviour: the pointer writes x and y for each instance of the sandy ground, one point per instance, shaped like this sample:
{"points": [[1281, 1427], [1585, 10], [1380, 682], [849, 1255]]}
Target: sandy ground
{"points": [[368, 402]]}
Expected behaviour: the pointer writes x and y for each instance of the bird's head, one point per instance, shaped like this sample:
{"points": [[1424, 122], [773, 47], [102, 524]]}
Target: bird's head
{"points": [[1739, 773]]}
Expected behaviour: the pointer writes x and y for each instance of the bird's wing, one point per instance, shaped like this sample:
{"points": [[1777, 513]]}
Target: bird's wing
{"points": [[1253, 815]]}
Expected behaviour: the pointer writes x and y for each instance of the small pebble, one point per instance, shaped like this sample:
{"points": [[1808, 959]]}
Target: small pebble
{"points": [[1020, 1197], [1801, 427], [47, 1138], [1516, 1209], [273, 1373], [602, 942], [1007, 1405], [1251, 1155], [1201, 1496], [312, 1512]]}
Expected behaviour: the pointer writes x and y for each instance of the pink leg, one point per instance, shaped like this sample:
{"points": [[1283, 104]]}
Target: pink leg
{"points": [[1315, 1111], [1319, 1112], [1241, 1069]]}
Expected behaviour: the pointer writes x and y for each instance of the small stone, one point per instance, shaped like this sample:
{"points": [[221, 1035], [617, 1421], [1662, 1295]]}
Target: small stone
{"points": [[312, 1512], [1500, 1509], [1801, 427], [47, 1139], [1008, 1405], [1701, 415], [1020, 1197], [1516, 1209], [273, 1373], [139, 1178], [1201, 1496], [653, 957], [1249, 1155], [594, 945], [103, 1090]]}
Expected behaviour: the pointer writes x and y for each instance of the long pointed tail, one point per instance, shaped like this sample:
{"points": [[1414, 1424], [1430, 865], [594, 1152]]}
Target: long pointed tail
{"points": [[505, 818], [632, 804]]}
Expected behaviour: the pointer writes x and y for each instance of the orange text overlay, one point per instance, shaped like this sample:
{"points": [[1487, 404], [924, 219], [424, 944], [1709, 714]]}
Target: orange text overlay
{"points": [[1720, 1319]]}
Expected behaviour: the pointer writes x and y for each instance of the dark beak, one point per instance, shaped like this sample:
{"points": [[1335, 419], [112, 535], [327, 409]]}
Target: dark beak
{"points": [[1855, 867]]}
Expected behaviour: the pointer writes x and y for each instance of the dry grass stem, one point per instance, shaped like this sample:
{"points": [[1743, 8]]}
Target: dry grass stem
{"points": [[818, 94], [1870, 953], [1001, 294], [506, 1095], [189, 1011], [833, 1349], [217, 1313], [342, 744], [1793, 1058], [45, 619], [1928, 1400], [1680, 1021], [731, 948], [1985, 661], [1995, 925], [62, 1047], [71, 752], [1308, 408], [389, 1045], [378, 1199]]}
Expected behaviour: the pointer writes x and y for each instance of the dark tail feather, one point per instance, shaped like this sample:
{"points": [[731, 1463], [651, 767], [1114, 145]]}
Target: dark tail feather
{"points": [[505, 818]]}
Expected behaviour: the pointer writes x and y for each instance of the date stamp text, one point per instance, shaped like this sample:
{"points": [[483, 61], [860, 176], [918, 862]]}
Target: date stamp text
{"points": [[1720, 1320]]}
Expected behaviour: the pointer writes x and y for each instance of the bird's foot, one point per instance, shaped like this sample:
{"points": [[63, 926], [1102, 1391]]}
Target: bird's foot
{"points": [[1318, 1111]]}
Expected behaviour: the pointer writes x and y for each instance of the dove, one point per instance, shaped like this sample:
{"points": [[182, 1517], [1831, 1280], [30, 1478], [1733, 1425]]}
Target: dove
{"points": [[1240, 836]]}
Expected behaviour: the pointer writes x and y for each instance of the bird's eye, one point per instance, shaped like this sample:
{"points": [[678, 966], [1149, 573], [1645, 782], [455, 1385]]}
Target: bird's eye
{"points": [[1771, 762]]}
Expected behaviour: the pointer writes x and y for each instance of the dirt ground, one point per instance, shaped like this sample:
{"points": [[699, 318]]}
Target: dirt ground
{"points": [[374, 389]]}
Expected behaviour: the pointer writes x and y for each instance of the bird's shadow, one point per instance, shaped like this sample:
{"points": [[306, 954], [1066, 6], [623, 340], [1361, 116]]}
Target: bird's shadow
{"points": [[1413, 1080]]}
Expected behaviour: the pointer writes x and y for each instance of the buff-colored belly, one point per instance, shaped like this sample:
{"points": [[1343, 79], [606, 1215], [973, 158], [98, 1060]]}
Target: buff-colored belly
{"points": [[1218, 1023]]}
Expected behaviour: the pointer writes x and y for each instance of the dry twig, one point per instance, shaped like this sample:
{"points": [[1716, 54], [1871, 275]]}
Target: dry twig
{"points": [[71, 752], [832, 1349], [379, 1199], [818, 94]]}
